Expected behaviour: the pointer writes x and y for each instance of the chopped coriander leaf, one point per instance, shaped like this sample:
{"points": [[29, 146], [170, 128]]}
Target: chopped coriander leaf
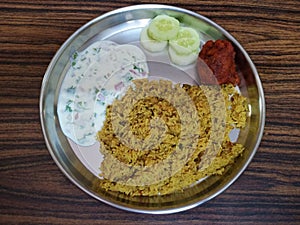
{"points": [[97, 49], [129, 78], [71, 89], [96, 90], [138, 68], [75, 55], [68, 108]]}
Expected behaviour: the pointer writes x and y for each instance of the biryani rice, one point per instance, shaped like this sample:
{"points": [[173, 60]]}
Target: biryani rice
{"points": [[208, 158]]}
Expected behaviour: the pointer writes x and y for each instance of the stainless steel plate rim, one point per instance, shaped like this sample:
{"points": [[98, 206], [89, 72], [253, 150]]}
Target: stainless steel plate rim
{"points": [[121, 205]]}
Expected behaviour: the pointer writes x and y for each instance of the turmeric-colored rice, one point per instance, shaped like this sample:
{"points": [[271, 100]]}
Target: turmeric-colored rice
{"points": [[219, 110]]}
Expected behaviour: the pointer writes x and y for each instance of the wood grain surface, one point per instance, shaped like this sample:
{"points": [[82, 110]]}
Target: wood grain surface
{"points": [[34, 190]]}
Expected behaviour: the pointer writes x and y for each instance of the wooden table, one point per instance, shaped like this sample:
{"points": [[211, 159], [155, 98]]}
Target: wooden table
{"points": [[33, 189]]}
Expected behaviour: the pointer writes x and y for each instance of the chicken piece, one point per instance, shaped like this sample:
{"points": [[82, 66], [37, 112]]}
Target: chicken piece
{"points": [[216, 63]]}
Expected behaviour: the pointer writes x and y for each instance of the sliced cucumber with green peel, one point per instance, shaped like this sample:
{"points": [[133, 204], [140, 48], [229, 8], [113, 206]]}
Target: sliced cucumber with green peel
{"points": [[182, 59], [186, 42], [151, 44], [163, 28]]}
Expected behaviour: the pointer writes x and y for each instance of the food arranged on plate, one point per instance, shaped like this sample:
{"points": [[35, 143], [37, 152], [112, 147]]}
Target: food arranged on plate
{"points": [[135, 172], [152, 143], [89, 86], [165, 31], [219, 57]]}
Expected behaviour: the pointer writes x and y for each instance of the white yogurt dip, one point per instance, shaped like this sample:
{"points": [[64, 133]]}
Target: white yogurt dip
{"points": [[98, 75]]}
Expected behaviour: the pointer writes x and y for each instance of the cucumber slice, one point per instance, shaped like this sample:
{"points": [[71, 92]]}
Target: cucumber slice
{"points": [[151, 44], [163, 28], [180, 59], [186, 42]]}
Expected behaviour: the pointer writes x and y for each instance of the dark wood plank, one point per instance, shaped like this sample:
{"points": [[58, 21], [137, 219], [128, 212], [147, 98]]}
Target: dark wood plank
{"points": [[34, 191]]}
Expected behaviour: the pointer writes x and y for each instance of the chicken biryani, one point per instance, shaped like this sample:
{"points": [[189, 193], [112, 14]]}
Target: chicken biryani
{"points": [[169, 139]]}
